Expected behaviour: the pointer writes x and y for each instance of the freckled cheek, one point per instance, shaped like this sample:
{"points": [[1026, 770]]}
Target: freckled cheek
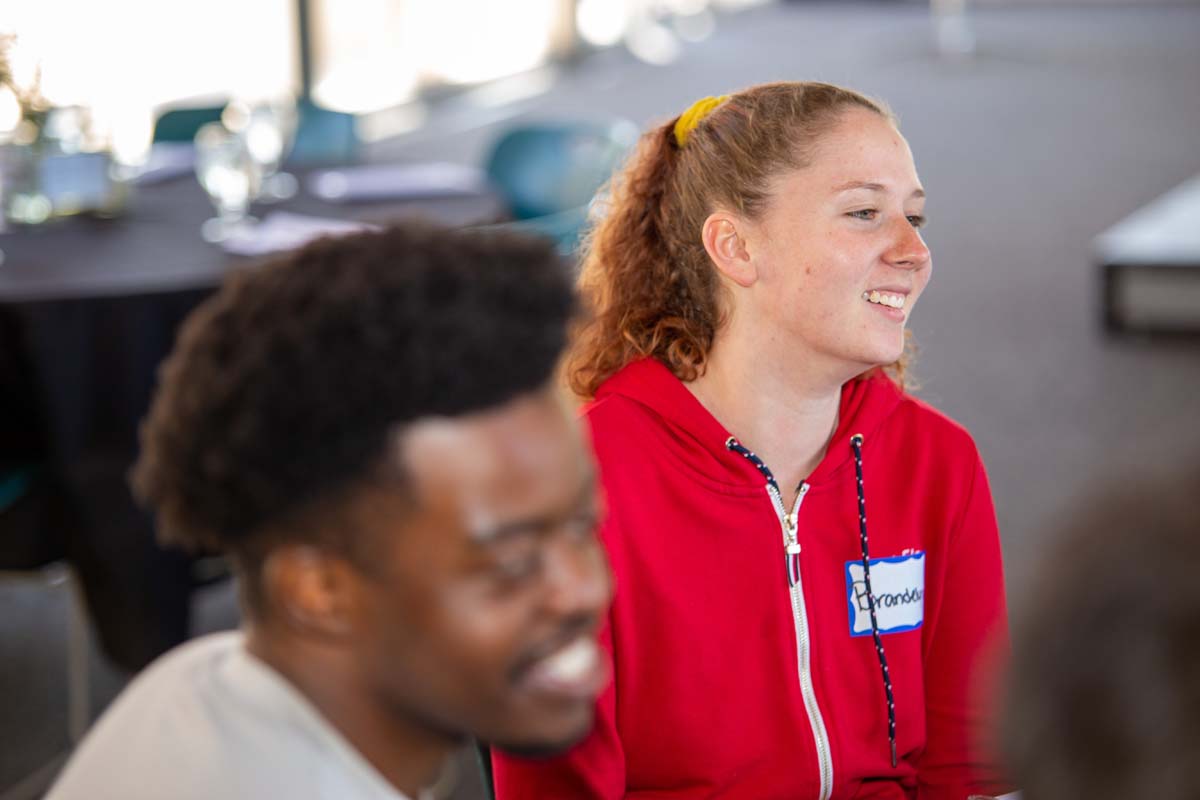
{"points": [[825, 315]]}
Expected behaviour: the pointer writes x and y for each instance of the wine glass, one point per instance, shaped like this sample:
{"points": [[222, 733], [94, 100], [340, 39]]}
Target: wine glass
{"points": [[230, 175], [268, 128]]}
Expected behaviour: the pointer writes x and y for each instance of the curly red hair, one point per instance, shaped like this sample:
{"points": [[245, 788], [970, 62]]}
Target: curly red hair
{"points": [[650, 287]]}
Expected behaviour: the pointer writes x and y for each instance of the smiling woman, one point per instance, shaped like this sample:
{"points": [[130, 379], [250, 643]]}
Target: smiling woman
{"points": [[823, 242], [750, 288]]}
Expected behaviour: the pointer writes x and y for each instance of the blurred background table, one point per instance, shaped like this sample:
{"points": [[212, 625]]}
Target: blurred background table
{"points": [[88, 309]]}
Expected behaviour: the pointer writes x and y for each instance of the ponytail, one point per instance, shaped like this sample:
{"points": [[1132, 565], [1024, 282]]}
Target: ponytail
{"points": [[650, 288], [648, 293]]}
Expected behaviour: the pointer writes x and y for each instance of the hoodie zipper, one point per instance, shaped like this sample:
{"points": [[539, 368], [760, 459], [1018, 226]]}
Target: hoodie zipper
{"points": [[791, 554], [791, 549]]}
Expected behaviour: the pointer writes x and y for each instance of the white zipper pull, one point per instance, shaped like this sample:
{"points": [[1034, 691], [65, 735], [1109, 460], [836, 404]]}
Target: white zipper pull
{"points": [[786, 520], [792, 521], [790, 544]]}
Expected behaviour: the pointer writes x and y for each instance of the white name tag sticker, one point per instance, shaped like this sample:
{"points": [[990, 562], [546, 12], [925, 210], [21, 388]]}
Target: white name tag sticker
{"points": [[898, 584]]}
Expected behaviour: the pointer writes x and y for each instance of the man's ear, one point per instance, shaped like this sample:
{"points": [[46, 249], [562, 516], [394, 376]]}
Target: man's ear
{"points": [[724, 240], [310, 590]]}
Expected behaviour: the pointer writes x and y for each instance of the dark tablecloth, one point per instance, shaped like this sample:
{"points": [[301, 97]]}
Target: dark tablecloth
{"points": [[88, 310]]}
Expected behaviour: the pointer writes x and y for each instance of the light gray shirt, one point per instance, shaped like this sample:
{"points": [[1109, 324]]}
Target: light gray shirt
{"points": [[209, 720]]}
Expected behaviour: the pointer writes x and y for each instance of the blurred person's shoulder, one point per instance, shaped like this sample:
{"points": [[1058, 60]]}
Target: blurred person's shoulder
{"points": [[210, 720]]}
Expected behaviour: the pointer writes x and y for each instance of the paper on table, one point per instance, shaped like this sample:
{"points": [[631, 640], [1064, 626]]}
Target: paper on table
{"points": [[283, 230], [397, 181], [166, 160]]}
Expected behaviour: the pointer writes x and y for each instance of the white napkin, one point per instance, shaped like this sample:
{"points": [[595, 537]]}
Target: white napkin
{"points": [[165, 161], [397, 181], [283, 230]]}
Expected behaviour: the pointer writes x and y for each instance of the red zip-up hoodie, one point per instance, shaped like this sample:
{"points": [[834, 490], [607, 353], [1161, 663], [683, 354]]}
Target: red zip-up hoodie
{"points": [[744, 658]]}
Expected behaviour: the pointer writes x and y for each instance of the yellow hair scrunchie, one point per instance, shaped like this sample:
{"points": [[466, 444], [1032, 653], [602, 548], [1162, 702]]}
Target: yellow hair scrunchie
{"points": [[689, 119]]}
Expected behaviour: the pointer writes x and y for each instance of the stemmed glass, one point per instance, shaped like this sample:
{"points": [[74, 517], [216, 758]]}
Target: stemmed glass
{"points": [[230, 175], [268, 128]]}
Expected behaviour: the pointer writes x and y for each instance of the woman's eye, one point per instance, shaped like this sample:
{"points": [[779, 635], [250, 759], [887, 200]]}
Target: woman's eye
{"points": [[916, 220], [865, 214]]}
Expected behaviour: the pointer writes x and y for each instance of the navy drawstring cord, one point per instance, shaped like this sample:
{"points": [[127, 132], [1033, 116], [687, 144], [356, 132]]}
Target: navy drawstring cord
{"points": [[856, 442]]}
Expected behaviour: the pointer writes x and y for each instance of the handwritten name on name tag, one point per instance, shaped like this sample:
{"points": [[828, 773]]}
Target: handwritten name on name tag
{"points": [[898, 584]]}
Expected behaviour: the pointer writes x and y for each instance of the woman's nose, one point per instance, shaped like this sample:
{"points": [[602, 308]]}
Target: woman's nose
{"points": [[908, 249]]}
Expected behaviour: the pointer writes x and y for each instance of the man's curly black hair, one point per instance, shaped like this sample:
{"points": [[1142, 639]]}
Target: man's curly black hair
{"points": [[285, 388]]}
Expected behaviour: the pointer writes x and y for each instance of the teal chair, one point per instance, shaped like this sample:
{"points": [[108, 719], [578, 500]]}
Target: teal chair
{"points": [[549, 172], [14, 483], [323, 136], [181, 124]]}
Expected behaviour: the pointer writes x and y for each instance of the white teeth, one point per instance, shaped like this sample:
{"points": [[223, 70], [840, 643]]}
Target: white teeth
{"points": [[884, 299], [572, 662]]}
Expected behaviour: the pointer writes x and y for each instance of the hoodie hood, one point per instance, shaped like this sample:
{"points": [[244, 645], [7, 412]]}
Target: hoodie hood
{"points": [[763, 650], [696, 434]]}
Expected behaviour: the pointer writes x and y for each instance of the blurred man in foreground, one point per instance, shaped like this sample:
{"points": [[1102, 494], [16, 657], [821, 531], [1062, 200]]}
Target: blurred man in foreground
{"points": [[369, 427], [1105, 696]]}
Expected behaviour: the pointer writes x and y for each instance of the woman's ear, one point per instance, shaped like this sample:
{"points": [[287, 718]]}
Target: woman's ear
{"points": [[724, 240]]}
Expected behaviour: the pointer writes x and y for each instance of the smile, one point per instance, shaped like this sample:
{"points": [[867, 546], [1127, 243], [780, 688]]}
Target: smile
{"points": [[884, 299], [576, 670]]}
